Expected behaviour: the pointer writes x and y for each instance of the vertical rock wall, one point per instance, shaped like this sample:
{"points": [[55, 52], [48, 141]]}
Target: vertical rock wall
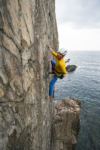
{"points": [[25, 26]]}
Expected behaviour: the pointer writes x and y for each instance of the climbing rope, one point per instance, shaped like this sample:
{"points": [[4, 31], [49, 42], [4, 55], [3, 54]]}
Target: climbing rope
{"points": [[49, 82], [49, 99], [49, 76]]}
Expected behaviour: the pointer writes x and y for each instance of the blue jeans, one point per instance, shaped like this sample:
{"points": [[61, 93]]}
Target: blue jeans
{"points": [[54, 79]]}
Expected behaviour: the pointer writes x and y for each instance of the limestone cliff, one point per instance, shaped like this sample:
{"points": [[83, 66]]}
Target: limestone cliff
{"points": [[25, 26]]}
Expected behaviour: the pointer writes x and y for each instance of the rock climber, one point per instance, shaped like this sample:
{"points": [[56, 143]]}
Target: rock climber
{"points": [[58, 67]]}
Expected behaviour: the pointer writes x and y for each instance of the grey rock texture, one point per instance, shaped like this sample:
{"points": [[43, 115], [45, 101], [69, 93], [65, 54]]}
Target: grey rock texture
{"points": [[65, 123], [71, 68], [25, 26]]}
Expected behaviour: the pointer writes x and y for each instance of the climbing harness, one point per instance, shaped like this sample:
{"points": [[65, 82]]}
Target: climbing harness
{"points": [[61, 77], [58, 72]]}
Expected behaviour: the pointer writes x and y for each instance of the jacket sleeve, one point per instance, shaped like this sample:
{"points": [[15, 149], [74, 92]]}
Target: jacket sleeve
{"points": [[63, 69], [54, 54]]}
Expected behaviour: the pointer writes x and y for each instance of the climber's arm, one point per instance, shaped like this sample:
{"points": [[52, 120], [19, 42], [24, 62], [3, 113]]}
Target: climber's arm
{"points": [[64, 70], [52, 52]]}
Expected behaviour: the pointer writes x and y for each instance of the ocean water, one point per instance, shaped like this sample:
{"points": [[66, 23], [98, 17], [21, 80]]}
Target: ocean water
{"points": [[84, 83]]}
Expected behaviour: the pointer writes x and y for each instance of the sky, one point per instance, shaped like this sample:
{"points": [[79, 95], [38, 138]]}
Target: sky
{"points": [[78, 24]]}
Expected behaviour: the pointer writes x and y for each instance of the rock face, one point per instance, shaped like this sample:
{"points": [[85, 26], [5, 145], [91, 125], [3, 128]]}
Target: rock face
{"points": [[65, 124], [25, 28], [71, 68]]}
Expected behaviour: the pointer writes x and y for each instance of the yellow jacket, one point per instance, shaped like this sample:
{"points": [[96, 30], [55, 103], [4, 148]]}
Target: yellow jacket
{"points": [[60, 65]]}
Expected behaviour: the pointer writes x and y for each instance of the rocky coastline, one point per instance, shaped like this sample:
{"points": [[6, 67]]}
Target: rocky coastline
{"points": [[65, 123]]}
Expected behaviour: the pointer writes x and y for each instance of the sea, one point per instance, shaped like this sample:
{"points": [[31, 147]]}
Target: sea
{"points": [[84, 84]]}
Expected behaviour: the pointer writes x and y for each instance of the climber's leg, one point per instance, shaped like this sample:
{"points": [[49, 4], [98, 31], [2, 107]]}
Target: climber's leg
{"points": [[53, 64], [54, 79]]}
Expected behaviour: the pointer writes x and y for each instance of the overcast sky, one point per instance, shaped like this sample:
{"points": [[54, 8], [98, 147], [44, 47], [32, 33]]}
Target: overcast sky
{"points": [[78, 24]]}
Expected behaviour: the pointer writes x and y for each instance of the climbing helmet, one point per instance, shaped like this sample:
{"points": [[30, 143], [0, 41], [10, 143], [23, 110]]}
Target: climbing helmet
{"points": [[62, 51]]}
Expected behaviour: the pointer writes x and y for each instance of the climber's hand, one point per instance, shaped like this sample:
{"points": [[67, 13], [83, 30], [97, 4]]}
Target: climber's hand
{"points": [[64, 75], [51, 50], [48, 45]]}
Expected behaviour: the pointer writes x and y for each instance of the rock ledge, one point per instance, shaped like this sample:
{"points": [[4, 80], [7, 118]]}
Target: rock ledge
{"points": [[65, 123]]}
